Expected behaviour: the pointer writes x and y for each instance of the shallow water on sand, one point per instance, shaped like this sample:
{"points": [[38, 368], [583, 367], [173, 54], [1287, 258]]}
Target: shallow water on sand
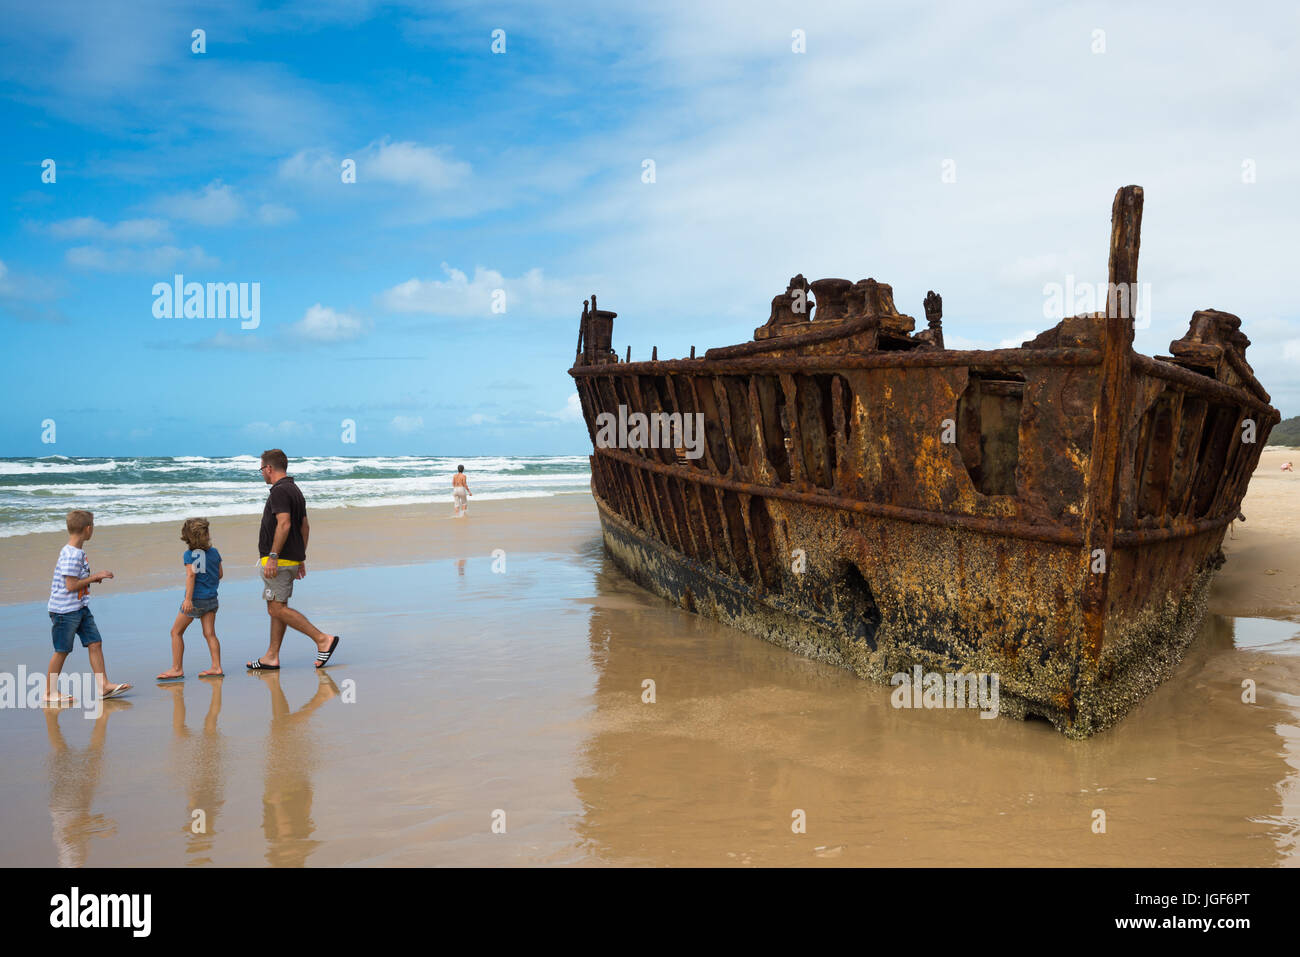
{"points": [[458, 693]]}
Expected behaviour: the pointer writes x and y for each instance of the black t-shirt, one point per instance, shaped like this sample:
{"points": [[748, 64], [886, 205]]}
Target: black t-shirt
{"points": [[285, 497]]}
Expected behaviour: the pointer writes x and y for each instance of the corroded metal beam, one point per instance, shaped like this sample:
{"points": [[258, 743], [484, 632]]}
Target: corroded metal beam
{"points": [[918, 359], [1201, 385], [1114, 398], [1015, 528]]}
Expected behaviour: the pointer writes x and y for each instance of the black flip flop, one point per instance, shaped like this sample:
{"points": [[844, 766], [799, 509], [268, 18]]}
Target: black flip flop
{"points": [[259, 666], [322, 657]]}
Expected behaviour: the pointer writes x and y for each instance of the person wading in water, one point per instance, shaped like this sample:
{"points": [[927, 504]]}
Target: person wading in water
{"points": [[459, 491]]}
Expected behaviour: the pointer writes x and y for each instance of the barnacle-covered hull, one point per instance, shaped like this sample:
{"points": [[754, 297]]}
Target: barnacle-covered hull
{"points": [[861, 495], [997, 627]]}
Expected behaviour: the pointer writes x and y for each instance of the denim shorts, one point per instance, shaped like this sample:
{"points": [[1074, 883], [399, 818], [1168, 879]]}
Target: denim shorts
{"points": [[201, 606], [80, 622]]}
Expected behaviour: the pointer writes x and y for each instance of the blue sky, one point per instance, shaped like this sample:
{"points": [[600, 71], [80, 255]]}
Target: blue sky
{"points": [[523, 172]]}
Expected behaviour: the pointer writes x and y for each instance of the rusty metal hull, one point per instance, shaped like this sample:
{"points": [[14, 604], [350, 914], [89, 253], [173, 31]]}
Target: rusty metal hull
{"points": [[860, 494], [1034, 647]]}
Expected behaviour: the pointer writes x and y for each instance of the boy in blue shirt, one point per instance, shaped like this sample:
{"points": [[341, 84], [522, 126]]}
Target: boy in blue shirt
{"points": [[202, 573]]}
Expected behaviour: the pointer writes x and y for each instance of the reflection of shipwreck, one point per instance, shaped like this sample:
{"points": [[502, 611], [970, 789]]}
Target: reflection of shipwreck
{"points": [[1051, 514]]}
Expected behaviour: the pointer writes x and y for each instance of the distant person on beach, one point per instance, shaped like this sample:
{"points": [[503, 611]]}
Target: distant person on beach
{"points": [[203, 572], [1286, 467], [69, 614], [282, 545], [459, 491]]}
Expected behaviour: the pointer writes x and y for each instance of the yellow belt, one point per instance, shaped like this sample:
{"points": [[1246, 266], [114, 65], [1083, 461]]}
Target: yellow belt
{"points": [[282, 563]]}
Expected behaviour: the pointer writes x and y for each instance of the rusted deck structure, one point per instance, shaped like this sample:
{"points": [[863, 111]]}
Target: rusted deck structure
{"points": [[1051, 514]]}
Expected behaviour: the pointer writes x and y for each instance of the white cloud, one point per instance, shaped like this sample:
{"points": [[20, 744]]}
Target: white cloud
{"points": [[311, 165], [214, 205], [28, 297], [427, 169], [323, 324], [1015, 341], [407, 423], [410, 164], [273, 214], [572, 411], [157, 260], [126, 231], [458, 295]]}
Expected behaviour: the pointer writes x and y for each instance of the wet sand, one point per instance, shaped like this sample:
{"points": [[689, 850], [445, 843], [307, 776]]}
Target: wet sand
{"points": [[459, 692]]}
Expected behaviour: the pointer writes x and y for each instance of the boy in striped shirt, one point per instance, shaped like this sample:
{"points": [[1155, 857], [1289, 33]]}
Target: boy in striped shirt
{"points": [[69, 615]]}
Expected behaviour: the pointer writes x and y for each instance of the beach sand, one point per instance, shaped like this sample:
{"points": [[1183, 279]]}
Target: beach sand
{"points": [[465, 694], [144, 557], [1262, 575]]}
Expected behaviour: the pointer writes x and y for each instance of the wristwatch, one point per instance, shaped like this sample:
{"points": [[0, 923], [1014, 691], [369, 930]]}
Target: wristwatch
{"points": [[275, 555]]}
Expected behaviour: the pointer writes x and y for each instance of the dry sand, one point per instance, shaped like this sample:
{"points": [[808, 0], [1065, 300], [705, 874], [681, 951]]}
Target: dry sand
{"points": [[1262, 576]]}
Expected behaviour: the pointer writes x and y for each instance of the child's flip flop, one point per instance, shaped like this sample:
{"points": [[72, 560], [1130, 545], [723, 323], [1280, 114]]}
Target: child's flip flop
{"points": [[258, 665], [323, 657]]}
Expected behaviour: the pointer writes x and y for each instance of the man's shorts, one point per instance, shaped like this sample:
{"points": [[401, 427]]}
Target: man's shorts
{"points": [[201, 607], [280, 587], [80, 623]]}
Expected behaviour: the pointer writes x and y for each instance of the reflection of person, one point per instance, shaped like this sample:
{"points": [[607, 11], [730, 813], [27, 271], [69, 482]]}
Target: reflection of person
{"points": [[74, 775], [459, 492], [203, 572], [201, 762], [287, 788], [69, 614], [282, 543]]}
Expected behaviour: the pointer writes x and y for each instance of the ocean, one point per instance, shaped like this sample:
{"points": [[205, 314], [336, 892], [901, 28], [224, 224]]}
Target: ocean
{"points": [[36, 493]]}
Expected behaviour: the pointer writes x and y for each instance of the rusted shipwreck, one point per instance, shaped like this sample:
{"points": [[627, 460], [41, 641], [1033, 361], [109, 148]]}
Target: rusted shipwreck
{"points": [[1051, 514]]}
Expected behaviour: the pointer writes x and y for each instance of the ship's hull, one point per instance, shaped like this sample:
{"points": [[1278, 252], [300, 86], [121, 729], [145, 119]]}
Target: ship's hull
{"points": [[1050, 515], [993, 621]]}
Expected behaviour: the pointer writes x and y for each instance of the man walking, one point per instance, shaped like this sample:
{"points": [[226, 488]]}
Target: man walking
{"points": [[282, 545]]}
